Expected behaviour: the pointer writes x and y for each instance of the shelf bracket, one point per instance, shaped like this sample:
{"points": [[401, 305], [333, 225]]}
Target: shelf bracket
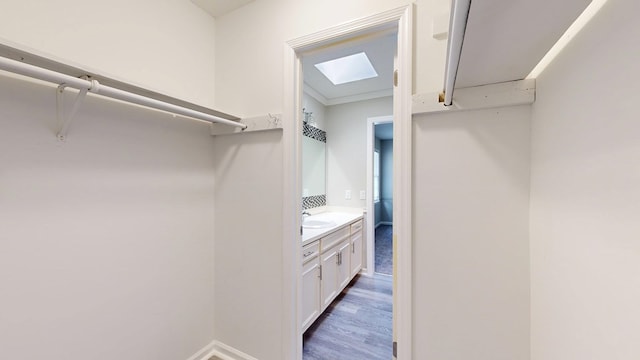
{"points": [[64, 120], [259, 123]]}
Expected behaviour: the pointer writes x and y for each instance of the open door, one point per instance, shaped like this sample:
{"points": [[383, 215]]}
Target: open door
{"points": [[400, 19]]}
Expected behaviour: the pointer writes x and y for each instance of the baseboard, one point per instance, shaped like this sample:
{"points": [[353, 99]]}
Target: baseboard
{"points": [[205, 353], [384, 223], [223, 351]]}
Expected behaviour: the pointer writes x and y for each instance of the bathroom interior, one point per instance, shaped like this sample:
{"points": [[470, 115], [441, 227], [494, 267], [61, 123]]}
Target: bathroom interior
{"points": [[347, 203]]}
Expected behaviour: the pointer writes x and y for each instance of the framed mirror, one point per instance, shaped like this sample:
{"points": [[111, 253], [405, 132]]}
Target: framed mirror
{"points": [[314, 167]]}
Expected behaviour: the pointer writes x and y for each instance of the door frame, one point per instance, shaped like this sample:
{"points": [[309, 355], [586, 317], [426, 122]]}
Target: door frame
{"points": [[400, 20], [370, 218]]}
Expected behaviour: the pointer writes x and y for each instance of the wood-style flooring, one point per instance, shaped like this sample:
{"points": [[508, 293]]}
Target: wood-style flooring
{"points": [[384, 249], [356, 326]]}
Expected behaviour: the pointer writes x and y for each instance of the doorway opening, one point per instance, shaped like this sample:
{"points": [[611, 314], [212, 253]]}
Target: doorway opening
{"points": [[380, 195], [397, 23], [337, 104]]}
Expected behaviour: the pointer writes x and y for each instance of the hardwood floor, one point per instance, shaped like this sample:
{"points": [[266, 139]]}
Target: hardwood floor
{"points": [[384, 249], [356, 326]]}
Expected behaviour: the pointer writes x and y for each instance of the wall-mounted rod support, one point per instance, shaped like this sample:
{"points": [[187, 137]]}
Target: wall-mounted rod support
{"points": [[457, 28], [64, 120], [259, 123], [95, 87]]}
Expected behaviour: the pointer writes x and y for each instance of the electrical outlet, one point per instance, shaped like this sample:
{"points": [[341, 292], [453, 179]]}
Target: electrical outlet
{"points": [[347, 194], [363, 195]]}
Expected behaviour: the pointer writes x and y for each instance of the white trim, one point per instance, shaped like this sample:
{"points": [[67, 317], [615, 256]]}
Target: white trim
{"points": [[205, 353], [402, 19], [360, 97], [226, 352], [315, 94], [292, 206], [376, 23], [371, 252], [510, 93], [221, 350], [390, 223], [402, 195], [346, 99]]}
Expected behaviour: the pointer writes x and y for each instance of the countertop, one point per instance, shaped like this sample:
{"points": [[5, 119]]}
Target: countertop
{"points": [[340, 218]]}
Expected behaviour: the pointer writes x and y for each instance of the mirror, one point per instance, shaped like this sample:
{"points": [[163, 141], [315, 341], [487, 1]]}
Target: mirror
{"points": [[314, 174]]}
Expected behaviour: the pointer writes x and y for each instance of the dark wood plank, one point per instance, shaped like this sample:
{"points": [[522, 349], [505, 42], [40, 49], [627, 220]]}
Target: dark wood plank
{"points": [[357, 325]]}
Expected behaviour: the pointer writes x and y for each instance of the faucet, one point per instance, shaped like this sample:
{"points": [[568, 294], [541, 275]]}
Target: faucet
{"points": [[305, 213]]}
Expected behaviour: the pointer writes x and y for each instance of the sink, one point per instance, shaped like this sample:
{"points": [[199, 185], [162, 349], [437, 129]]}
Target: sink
{"points": [[317, 224]]}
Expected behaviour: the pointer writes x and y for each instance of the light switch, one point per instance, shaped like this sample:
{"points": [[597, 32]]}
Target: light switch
{"points": [[347, 194], [363, 195]]}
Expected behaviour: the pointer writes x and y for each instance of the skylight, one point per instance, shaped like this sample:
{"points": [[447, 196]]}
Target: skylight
{"points": [[347, 69]]}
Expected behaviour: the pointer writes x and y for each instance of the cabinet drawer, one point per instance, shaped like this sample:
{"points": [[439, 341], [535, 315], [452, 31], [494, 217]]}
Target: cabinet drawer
{"points": [[356, 226], [334, 238], [310, 251]]}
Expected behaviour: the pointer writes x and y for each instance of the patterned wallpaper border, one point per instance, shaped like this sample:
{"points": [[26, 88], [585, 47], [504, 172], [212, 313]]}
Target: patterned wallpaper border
{"points": [[314, 133], [309, 202]]}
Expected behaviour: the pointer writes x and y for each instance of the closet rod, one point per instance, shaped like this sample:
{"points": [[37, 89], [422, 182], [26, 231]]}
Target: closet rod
{"points": [[95, 87], [457, 28]]}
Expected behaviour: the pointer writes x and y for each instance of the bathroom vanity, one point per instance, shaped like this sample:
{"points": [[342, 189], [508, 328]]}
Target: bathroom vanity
{"points": [[332, 253]]}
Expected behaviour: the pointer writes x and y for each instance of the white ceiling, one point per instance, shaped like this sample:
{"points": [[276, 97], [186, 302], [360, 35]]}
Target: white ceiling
{"points": [[380, 52], [217, 8], [505, 39]]}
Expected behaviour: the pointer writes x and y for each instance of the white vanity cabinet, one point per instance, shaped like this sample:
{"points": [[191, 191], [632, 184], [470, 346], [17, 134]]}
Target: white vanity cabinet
{"points": [[329, 261], [344, 261], [310, 284], [331, 249], [356, 247]]}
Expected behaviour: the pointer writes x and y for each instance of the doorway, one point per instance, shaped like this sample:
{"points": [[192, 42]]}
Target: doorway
{"points": [[400, 22], [380, 195], [337, 103]]}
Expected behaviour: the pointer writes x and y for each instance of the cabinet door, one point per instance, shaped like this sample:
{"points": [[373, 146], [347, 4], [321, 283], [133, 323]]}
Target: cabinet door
{"points": [[329, 263], [356, 253], [310, 292], [344, 268]]}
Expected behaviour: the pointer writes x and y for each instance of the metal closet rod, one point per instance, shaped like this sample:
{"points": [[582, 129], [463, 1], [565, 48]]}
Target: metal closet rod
{"points": [[95, 87], [457, 28]]}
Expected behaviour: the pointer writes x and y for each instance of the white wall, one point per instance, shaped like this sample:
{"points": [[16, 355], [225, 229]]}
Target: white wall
{"points": [[249, 243], [346, 148], [318, 110], [250, 46], [106, 241], [168, 48], [470, 235], [249, 66], [585, 194]]}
